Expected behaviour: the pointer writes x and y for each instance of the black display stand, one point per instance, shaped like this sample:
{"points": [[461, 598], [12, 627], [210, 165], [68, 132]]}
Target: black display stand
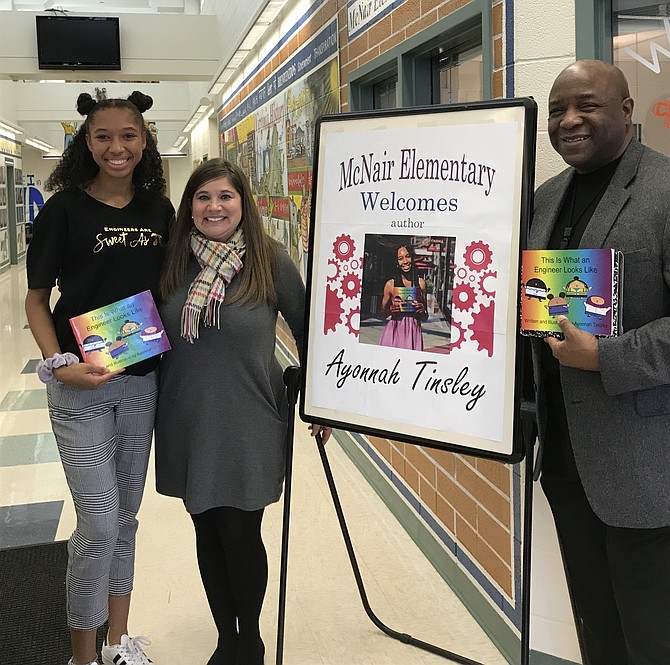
{"points": [[292, 381]]}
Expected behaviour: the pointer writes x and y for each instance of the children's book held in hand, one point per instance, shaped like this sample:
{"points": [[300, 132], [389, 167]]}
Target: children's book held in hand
{"points": [[581, 284], [404, 298], [121, 334]]}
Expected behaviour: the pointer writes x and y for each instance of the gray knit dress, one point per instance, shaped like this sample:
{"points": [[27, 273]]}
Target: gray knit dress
{"points": [[222, 407]]}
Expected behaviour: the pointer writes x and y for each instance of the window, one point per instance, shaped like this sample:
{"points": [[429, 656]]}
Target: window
{"points": [[457, 76], [446, 62], [450, 67], [384, 94], [640, 41], [376, 88]]}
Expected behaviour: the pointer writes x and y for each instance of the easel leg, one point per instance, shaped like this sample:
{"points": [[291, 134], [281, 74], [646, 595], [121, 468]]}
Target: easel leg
{"points": [[402, 637], [291, 379], [528, 434]]}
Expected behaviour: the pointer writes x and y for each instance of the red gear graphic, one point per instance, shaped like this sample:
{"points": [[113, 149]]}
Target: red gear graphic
{"points": [[344, 247], [464, 297], [482, 283], [351, 285], [355, 311], [455, 325], [482, 328], [333, 262], [334, 311], [477, 256], [461, 272]]}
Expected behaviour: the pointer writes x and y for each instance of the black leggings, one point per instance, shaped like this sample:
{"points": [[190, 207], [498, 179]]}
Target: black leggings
{"points": [[234, 570]]}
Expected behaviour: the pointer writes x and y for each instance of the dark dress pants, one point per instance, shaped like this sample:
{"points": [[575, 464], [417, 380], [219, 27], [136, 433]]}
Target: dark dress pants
{"points": [[619, 579]]}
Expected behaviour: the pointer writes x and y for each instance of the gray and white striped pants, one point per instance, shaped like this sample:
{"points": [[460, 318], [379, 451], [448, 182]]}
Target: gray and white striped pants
{"points": [[104, 440]]}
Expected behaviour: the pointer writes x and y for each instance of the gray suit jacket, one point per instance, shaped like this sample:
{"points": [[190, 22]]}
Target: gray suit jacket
{"points": [[619, 418]]}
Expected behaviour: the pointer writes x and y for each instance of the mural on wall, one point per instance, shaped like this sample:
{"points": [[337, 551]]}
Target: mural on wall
{"points": [[69, 130], [33, 192], [271, 136]]}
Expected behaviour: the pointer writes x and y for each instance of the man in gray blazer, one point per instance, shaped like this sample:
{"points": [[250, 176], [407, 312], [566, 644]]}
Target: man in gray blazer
{"points": [[604, 403]]}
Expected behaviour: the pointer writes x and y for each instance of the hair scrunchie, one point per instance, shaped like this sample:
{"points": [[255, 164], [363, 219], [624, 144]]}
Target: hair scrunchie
{"points": [[46, 367]]}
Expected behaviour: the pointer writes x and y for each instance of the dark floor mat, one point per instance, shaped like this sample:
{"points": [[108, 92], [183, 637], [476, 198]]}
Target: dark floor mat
{"points": [[32, 606]]}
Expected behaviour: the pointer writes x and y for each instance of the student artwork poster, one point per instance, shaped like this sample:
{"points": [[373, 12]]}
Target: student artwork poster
{"points": [[414, 276]]}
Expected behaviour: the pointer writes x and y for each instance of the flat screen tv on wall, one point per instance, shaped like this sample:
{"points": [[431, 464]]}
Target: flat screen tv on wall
{"points": [[78, 42]]}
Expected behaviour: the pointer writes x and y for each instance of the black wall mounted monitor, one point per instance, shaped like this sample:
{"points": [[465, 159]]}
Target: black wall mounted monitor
{"points": [[78, 42]]}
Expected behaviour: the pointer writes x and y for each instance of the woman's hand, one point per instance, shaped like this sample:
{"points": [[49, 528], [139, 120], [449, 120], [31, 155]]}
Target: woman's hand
{"points": [[84, 375], [325, 432], [420, 310]]}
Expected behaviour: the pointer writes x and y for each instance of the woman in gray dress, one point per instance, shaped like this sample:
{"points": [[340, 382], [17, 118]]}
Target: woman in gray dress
{"points": [[222, 408]]}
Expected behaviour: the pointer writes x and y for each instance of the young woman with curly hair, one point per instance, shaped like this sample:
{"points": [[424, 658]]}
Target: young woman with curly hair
{"points": [[100, 238]]}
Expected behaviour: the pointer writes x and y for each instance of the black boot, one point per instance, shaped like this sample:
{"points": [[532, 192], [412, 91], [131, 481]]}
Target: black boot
{"points": [[251, 652], [226, 653]]}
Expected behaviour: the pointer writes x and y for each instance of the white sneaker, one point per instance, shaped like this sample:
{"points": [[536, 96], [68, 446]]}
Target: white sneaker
{"points": [[129, 652], [93, 662]]}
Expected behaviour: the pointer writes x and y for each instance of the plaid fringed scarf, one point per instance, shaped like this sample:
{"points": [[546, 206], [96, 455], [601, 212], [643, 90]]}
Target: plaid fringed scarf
{"points": [[220, 262]]}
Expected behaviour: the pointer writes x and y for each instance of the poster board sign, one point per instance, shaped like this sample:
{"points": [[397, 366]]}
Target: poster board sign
{"points": [[413, 279]]}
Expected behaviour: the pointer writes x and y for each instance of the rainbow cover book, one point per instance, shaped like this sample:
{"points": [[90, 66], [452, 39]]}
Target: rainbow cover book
{"points": [[122, 333], [405, 296], [582, 284]]}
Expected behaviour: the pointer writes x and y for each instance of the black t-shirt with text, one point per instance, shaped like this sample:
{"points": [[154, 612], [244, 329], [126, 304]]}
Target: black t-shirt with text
{"points": [[99, 254]]}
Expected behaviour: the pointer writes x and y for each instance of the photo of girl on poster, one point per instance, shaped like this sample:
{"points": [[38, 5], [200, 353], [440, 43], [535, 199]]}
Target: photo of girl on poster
{"points": [[407, 292], [404, 300]]}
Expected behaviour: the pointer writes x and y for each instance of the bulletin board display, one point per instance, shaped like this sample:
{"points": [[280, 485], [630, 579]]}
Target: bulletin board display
{"points": [[417, 220]]}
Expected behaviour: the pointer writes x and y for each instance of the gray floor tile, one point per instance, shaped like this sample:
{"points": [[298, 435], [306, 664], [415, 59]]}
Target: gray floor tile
{"points": [[29, 524], [31, 366], [28, 449], [23, 400]]}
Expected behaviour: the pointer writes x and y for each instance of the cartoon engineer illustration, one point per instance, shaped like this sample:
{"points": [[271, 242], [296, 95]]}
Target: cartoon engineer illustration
{"points": [[535, 288], [557, 304], [577, 288], [596, 306]]}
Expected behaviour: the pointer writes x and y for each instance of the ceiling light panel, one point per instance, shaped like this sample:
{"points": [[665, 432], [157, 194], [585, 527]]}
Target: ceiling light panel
{"points": [[252, 37]]}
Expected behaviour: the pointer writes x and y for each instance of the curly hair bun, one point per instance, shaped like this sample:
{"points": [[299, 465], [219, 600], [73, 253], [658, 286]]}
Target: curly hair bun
{"points": [[85, 103], [142, 101]]}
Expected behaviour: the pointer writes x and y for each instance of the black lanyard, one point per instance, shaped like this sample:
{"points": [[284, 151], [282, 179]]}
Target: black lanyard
{"points": [[572, 222]]}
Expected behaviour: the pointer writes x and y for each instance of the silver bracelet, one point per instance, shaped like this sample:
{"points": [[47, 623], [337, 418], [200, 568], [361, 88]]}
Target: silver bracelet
{"points": [[46, 367]]}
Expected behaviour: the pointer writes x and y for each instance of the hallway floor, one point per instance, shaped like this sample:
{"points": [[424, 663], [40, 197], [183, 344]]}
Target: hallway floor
{"points": [[325, 621]]}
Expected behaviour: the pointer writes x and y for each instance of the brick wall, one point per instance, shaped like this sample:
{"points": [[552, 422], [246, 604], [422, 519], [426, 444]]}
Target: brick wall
{"points": [[407, 20], [404, 22], [469, 496]]}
